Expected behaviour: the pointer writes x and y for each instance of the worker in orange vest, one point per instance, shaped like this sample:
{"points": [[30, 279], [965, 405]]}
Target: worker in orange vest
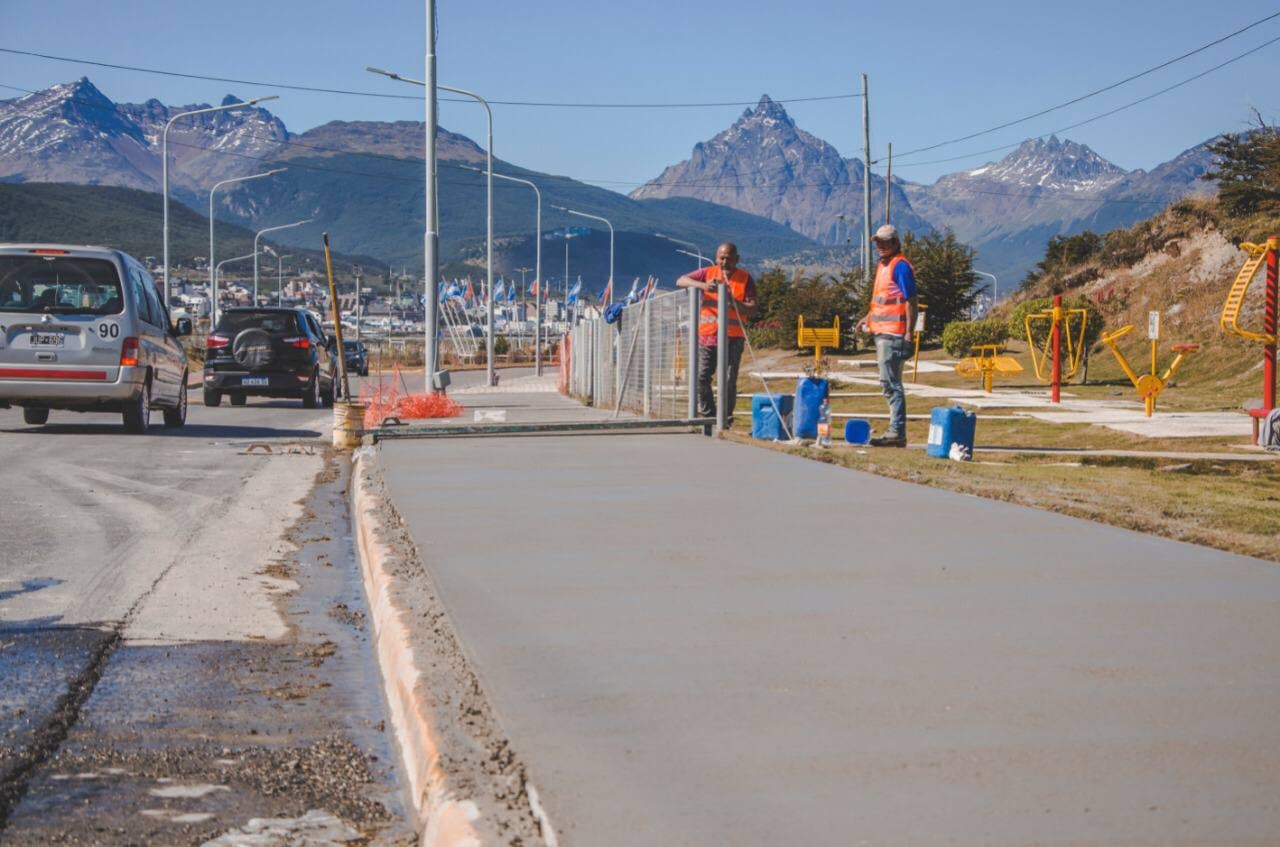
{"points": [[891, 318], [741, 288]]}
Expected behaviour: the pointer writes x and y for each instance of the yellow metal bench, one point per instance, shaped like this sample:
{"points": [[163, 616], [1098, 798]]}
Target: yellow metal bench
{"points": [[817, 338]]}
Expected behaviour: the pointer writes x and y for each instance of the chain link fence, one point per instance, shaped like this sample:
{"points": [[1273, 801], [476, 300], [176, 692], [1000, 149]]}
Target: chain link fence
{"points": [[640, 362]]}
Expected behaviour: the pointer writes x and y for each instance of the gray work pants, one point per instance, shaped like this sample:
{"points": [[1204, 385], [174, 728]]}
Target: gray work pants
{"points": [[707, 375]]}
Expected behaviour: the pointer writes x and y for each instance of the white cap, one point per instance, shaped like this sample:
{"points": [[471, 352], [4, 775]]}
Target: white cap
{"points": [[886, 233]]}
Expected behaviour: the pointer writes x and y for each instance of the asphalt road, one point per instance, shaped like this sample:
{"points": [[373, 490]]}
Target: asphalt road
{"points": [[183, 642], [696, 642]]}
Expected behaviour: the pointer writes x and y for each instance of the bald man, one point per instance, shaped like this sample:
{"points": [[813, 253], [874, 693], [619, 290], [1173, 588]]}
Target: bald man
{"points": [[742, 307]]}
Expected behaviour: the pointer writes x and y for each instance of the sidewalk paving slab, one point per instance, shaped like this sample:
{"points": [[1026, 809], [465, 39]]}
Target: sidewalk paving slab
{"points": [[690, 641]]}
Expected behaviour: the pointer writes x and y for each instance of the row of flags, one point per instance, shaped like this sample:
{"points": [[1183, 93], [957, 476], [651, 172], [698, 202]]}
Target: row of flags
{"points": [[504, 292]]}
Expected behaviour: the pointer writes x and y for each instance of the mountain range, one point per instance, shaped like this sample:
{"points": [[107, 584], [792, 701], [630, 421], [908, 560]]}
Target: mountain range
{"points": [[1006, 210], [780, 191]]}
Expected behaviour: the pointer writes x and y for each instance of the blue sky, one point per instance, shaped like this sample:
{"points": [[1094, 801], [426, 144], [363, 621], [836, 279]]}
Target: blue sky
{"points": [[937, 69]]}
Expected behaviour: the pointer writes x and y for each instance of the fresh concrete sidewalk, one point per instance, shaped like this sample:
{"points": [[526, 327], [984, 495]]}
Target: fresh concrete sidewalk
{"points": [[690, 641]]}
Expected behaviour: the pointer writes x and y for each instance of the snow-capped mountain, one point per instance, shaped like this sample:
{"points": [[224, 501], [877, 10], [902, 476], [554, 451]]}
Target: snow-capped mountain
{"points": [[74, 133], [766, 165], [1048, 164]]}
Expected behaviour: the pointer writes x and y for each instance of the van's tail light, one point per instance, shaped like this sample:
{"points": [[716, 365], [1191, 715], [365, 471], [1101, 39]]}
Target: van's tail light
{"points": [[299, 341], [213, 342], [129, 353]]}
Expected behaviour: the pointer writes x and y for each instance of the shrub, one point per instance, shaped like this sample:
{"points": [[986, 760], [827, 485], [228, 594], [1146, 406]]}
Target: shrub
{"points": [[501, 346], [958, 337]]}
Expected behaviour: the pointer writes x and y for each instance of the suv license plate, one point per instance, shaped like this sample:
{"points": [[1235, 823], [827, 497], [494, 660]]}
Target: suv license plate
{"points": [[48, 339], [254, 380]]}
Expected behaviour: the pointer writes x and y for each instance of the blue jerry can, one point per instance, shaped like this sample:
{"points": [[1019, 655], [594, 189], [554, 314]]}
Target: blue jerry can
{"points": [[810, 393], [950, 425], [764, 418]]}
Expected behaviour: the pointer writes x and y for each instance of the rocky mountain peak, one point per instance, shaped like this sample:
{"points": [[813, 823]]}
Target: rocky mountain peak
{"points": [[1051, 163]]}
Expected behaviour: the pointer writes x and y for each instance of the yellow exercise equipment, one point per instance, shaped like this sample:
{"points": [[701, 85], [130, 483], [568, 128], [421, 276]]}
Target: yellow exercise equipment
{"points": [[1149, 385], [817, 338], [1041, 358], [1235, 297], [986, 362]]}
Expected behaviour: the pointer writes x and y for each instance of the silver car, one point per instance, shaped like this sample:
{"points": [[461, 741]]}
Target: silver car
{"points": [[84, 329]]}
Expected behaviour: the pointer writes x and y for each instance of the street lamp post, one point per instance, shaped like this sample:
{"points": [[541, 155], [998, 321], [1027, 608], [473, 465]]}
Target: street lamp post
{"points": [[164, 170], [213, 282], [537, 272], [697, 250], [217, 271], [280, 257], [489, 374], [258, 235], [609, 300], [995, 283]]}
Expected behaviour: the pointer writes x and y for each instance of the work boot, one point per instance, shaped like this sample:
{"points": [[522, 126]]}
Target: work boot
{"points": [[890, 439]]}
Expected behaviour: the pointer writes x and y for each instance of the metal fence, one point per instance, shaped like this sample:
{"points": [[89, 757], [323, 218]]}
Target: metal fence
{"points": [[641, 363]]}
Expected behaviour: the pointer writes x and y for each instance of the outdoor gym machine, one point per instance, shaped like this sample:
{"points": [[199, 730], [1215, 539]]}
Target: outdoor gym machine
{"points": [[1149, 385], [1059, 320], [1259, 254], [986, 362]]}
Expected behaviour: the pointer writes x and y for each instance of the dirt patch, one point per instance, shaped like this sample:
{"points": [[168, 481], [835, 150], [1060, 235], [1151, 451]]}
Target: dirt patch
{"points": [[477, 757]]}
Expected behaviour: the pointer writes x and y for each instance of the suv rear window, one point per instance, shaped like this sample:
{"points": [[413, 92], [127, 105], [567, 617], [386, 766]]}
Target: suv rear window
{"points": [[61, 284], [277, 323]]}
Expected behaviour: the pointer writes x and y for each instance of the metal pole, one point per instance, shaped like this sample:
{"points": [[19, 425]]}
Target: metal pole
{"points": [[691, 359], [605, 221], [866, 180], [1056, 341], [1269, 323], [164, 170], [888, 183], [279, 280], [213, 277], [722, 356], [537, 272], [995, 285], [259, 235]]}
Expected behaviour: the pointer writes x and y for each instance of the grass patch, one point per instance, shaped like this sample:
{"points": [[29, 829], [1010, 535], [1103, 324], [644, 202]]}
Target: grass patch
{"points": [[1232, 506]]}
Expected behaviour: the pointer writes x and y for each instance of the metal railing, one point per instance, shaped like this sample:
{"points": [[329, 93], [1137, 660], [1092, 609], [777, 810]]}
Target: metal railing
{"points": [[643, 363]]}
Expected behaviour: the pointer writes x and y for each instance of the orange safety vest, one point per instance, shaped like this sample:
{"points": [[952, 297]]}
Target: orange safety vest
{"points": [[888, 305], [709, 316]]}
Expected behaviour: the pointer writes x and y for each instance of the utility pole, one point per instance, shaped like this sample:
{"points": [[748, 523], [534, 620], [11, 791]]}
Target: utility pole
{"points": [[888, 182], [431, 237], [866, 179]]}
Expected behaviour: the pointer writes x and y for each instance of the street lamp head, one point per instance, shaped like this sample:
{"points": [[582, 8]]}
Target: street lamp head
{"points": [[382, 71], [255, 101]]}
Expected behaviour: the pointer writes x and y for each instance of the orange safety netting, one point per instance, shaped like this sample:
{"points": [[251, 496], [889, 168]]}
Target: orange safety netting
{"points": [[394, 400]]}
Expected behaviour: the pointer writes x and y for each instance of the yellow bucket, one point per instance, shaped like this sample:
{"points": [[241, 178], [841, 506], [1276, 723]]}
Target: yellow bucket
{"points": [[348, 421]]}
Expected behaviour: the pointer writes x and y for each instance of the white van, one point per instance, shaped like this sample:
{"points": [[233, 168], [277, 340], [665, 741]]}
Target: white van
{"points": [[84, 329]]}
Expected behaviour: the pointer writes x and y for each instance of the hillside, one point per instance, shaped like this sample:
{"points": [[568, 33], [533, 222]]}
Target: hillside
{"points": [[125, 218], [1180, 263], [374, 206]]}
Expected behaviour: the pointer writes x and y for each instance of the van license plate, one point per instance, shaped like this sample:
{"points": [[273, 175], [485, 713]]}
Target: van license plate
{"points": [[48, 339], [254, 380]]}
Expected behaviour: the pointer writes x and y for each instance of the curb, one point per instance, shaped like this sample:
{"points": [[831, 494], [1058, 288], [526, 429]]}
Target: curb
{"points": [[443, 820]]}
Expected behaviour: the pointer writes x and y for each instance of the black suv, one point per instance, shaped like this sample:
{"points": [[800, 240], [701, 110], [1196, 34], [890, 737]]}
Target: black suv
{"points": [[357, 357], [269, 353]]}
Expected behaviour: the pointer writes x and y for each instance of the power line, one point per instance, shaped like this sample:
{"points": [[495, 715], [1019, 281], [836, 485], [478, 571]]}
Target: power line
{"points": [[1102, 90], [348, 92], [1105, 114]]}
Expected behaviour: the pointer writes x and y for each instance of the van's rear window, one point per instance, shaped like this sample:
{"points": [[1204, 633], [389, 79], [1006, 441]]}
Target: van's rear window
{"points": [[272, 321], [59, 284]]}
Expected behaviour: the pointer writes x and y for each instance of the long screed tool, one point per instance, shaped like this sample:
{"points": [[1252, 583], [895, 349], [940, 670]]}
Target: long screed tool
{"points": [[337, 321], [733, 304]]}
